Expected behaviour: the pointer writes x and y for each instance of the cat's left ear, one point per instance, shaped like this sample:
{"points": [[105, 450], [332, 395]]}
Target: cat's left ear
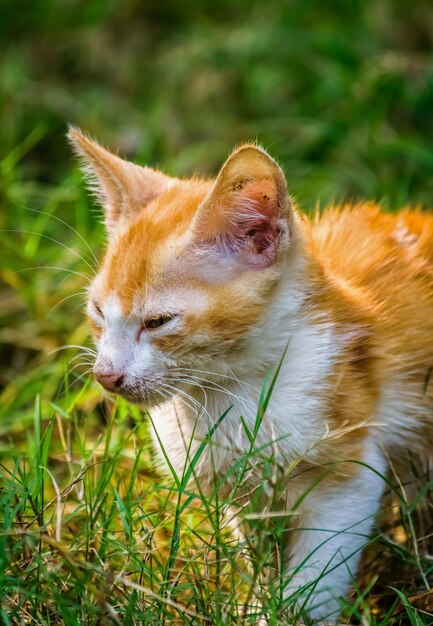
{"points": [[121, 187], [247, 217]]}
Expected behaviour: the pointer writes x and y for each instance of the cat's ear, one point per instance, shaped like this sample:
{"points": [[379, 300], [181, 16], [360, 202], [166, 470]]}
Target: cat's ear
{"points": [[247, 217], [121, 187]]}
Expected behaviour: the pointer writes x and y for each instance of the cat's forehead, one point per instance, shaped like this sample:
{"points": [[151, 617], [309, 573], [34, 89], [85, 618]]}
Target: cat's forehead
{"points": [[139, 255]]}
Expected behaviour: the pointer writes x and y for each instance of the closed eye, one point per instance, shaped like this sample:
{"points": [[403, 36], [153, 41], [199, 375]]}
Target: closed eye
{"points": [[98, 309], [152, 323]]}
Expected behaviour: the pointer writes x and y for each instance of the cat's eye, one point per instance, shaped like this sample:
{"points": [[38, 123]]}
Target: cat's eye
{"points": [[98, 309], [152, 323]]}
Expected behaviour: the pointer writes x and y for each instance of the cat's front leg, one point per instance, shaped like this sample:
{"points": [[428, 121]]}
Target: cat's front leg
{"points": [[335, 522]]}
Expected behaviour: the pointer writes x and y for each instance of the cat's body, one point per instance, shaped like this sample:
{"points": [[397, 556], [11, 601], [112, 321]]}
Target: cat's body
{"points": [[356, 314], [230, 279]]}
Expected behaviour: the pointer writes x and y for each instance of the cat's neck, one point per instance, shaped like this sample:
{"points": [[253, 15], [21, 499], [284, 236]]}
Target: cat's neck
{"points": [[284, 317], [288, 331]]}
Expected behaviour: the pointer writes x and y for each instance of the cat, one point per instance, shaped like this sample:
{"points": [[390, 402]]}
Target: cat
{"points": [[207, 285]]}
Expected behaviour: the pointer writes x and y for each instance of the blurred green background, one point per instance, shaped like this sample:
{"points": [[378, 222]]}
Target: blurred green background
{"points": [[340, 92]]}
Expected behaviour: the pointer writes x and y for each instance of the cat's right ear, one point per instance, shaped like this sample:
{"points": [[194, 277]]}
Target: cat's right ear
{"points": [[247, 218], [121, 187]]}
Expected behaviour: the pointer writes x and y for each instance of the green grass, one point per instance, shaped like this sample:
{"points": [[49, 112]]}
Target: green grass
{"points": [[92, 533], [342, 93]]}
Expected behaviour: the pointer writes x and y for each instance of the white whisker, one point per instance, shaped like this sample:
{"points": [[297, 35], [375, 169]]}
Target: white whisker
{"points": [[72, 295], [63, 245], [56, 267], [242, 401], [74, 346], [58, 219], [216, 374], [187, 398]]}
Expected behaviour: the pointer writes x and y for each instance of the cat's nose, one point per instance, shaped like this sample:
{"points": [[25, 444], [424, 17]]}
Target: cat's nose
{"points": [[110, 382]]}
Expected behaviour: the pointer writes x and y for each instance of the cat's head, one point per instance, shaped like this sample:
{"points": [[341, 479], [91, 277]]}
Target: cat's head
{"points": [[189, 268]]}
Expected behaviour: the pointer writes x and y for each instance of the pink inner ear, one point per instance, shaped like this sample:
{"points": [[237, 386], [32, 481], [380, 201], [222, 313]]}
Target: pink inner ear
{"points": [[251, 225], [261, 237]]}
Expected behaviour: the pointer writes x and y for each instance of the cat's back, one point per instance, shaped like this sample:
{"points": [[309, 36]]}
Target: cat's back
{"points": [[387, 257], [383, 264]]}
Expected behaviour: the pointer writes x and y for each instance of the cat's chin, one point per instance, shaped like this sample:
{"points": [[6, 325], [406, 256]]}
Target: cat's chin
{"points": [[145, 399]]}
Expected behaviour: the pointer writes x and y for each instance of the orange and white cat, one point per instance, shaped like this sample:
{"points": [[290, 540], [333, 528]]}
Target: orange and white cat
{"points": [[205, 284]]}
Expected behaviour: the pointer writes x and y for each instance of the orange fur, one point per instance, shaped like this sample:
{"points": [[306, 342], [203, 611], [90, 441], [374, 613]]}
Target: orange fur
{"points": [[376, 274]]}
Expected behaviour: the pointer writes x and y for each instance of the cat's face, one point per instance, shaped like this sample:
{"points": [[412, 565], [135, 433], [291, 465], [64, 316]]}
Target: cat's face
{"points": [[188, 270]]}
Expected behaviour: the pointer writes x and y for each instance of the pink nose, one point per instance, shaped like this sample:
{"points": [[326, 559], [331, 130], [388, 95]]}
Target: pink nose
{"points": [[110, 382]]}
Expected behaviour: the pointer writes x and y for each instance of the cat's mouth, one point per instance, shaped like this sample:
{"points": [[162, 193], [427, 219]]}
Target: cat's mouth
{"points": [[144, 401], [148, 392], [144, 398]]}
